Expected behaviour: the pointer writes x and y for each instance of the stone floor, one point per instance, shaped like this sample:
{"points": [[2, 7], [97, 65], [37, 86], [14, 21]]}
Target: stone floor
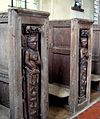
{"points": [[4, 112], [57, 112]]}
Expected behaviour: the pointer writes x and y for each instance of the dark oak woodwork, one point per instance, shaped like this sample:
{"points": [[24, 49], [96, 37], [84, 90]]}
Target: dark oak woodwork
{"points": [[70, 53], [59, 50], [31, 71], [96, 58], [4, 81], [83, 64], [96, 50], [24, 50]]}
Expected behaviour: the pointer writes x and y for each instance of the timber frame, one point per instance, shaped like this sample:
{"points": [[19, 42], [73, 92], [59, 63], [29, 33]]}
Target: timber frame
{"points": [[74, 64], [17, 17], [96, 58], [65, 62]]}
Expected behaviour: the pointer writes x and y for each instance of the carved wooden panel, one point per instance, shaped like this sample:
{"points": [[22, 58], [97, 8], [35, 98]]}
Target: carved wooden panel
{"points": [[31, 71], [83, 64]]}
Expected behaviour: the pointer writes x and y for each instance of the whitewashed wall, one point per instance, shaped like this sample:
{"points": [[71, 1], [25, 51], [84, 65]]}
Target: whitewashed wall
{"points": [[4, 5], [61, 9], [96, 11], [32, 4]]}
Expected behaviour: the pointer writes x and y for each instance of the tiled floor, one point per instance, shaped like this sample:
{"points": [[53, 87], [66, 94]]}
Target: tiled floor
{"points": [[4, 112], [57, 112], [60, 112], [91, 113]]}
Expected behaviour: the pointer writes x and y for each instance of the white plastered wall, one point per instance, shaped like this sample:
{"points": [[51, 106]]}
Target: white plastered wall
{"points": [[61, 9], [4, 5]]}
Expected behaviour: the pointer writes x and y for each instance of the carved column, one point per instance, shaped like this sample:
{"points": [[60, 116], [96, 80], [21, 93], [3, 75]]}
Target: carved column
{"points": [[80, 63], [31, 71], [83, 62]]}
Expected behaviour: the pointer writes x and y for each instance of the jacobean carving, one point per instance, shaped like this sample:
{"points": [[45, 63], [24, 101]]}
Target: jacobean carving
{"points": [[32, 71], [83, 58]]}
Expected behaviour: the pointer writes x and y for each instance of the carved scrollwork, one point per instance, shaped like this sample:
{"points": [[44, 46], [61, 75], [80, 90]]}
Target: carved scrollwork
{"points": [[83, 63], [31, 68]]}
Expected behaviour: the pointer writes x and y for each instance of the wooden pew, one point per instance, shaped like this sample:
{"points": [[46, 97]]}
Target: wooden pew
{"points": [[59, 90], [4, 81], [69, 76], [96, 57], [24, 62]]}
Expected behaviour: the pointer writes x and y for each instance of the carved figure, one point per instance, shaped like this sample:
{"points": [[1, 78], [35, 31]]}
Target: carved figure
{"points": [[32, 58], [83, 64], [32, 63]]}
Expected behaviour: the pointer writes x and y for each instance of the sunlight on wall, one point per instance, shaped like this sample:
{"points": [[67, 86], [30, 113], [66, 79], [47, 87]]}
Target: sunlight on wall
{"points": [[88, 7], [33, 4], [58, 9], [46, 5], [4, 5], [62, 9]]}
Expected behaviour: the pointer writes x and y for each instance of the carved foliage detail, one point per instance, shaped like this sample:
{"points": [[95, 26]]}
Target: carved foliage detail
{"points": [[83, 63], [31, 71]]}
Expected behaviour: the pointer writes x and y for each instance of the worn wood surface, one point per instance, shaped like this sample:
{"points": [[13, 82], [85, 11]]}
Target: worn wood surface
{"points": [[58, 113], [74, 68], [4, 17], [15, 76], [65, 59], [3, 45], [58, 90], [4, 81], [44, 69], [4, 112], [95, 95], [4, 94], [88, 25], [96, 50], [4, 86], [16, 19], [95, 78], [59, 52]]}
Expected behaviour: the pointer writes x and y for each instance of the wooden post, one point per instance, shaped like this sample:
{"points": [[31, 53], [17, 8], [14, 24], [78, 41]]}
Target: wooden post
{"points": [[80, 64], [44, 70], [17, 19], [90, 46], [14, 61], [73, 99]]}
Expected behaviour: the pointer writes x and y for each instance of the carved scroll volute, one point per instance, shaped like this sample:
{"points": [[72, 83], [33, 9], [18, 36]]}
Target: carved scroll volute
{"points": [[83, 63], [31, 66]]}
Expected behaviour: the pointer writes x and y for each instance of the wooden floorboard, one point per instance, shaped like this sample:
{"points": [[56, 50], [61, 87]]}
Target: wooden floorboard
{"points": [[58, 112], [94, 95]]}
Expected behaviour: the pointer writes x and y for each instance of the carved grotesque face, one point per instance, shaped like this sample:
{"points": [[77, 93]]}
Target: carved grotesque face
{"points": [[84, 42], [32, 42]]}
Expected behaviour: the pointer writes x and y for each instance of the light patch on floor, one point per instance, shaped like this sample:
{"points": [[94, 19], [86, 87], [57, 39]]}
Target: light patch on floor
{"points": [[4, 112], [58, 113], [95, 95]]}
